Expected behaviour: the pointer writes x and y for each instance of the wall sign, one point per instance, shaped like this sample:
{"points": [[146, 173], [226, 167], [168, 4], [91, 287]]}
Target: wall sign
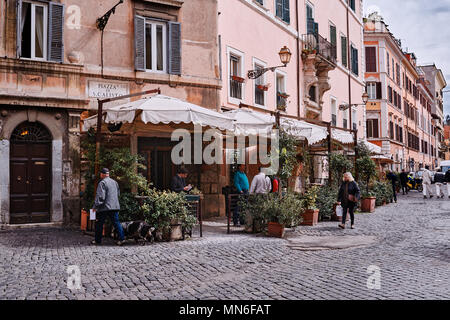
{"points": [[104, 90]]}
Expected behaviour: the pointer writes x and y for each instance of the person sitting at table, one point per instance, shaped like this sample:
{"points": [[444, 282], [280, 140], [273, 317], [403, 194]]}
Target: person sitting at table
{"points": [[179, 181]]}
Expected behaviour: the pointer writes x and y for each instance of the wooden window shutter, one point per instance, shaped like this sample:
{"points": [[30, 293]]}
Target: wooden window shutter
{"points": [[56, 32], [19, 29], [375, 128], [379, 93], [139, 43], [175, 48], [369, 128], [371, 63]]}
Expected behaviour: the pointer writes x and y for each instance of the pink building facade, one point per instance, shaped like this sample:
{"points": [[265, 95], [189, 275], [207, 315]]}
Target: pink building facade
{"points": [[251, 32], [325, 73]]}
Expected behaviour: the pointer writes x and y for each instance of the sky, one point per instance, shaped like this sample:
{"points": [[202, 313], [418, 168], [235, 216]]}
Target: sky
{"points": [[423, 27]]}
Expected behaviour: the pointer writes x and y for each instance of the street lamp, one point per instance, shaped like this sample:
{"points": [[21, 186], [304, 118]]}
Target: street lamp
{"points": [[365, 99], [285, 57]]}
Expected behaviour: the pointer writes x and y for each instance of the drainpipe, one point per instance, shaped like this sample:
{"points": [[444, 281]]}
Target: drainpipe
{"points": [[350, 91], [298, 60]]}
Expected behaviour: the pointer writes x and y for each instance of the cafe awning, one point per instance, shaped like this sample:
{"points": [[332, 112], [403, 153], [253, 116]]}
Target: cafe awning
{"points": [[249, 122], [163, 109], [373, 148], [302, 129]]}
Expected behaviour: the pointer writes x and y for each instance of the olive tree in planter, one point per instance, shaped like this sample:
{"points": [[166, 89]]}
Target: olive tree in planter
{"points": [[367, 170], [339, 164], [310, 212]]}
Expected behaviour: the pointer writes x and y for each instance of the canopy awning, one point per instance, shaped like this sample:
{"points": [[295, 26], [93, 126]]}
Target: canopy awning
{"points": [[249, 122], [344, 137], [163, 109], [373, 148], [302, 129], [382, 159]]}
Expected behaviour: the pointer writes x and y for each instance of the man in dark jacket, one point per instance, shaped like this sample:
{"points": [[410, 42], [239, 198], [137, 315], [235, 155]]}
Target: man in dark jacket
{"points": [[447, 180], [439, 180], [106, 205], [179, 181], [348, 197], [393, 177], [404, 181]]}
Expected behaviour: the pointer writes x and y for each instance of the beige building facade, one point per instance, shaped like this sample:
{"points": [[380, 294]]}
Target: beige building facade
{"points": [[55, 63]]}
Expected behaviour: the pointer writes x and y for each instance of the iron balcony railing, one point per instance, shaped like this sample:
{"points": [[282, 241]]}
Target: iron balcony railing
{"points": [[314, 41], [235, 89]]}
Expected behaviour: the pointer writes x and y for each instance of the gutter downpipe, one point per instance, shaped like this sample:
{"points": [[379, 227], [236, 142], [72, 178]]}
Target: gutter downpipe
{"points": [[298, 60]]}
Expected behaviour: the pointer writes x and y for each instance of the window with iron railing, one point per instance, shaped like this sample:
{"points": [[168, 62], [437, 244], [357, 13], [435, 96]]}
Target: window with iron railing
{"points": [[334, 120], [259, 88]]}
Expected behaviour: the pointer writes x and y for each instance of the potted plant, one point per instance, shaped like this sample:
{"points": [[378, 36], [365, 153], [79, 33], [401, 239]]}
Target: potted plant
{"points": [[366, 169], [238, 79], [368, 200], [168, 213], [310, 214], [281, 211], [326, 202]]}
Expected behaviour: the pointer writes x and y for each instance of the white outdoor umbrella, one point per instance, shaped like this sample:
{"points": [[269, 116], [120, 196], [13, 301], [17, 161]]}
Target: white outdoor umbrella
{"points": [[163, 109]]}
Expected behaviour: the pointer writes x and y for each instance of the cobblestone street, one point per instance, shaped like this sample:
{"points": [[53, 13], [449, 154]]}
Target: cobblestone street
{"points": [[412, 250]]}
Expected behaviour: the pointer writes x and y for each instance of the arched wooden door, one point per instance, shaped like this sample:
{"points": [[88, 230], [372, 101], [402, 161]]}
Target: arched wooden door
{"points": [[30, 173]]}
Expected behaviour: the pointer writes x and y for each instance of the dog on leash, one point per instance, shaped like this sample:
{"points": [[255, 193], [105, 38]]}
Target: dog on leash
{"points": [[137, 230]]}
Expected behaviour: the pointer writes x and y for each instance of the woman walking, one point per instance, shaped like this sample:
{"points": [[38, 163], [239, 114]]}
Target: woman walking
{"points": [[348, 197]]}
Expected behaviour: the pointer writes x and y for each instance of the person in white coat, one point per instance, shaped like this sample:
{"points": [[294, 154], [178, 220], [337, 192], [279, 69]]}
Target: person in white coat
{"points": [[261, 183], [426, 183]]}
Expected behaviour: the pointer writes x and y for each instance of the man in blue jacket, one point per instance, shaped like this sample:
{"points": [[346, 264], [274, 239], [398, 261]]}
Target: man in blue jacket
{"points": [[242, 186]]}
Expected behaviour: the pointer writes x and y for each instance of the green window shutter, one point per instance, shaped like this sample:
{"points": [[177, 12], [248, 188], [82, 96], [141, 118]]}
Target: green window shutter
{"points": [[56, 32], [18, 28], [175, 48], [286, 11], [333, 35], [279, 8], [344, 51], [139, 43]]}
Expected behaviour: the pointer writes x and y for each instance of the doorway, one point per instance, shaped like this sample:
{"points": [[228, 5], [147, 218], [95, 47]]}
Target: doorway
{"points": [[30, 173]]}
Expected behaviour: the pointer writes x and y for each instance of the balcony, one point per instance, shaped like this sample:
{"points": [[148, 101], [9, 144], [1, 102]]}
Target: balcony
{"points": [[315, 43], [319, 58]]}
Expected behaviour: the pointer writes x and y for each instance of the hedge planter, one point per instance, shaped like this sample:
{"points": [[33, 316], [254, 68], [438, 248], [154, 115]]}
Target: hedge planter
{"points": [[368, 204], [310, 217], [275, 229]]}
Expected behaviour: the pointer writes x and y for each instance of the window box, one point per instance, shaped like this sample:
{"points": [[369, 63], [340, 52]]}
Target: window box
{"points": [[262, 87], [238, 79], [283, 95]]}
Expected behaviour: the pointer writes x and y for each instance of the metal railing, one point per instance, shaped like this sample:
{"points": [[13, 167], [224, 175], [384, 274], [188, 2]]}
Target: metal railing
{"points": [[235, 89], [321, 45]]}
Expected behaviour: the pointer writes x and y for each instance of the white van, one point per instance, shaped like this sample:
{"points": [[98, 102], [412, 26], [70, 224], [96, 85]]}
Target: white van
{"points": [[445, 165]]}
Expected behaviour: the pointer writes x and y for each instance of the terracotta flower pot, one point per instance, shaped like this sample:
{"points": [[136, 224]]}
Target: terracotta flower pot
{"points": [[275, 229], [368, 204], [310, 217]]}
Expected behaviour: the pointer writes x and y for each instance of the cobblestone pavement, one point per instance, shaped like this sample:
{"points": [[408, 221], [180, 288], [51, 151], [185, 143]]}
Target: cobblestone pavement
{"points": [[412, 252]]}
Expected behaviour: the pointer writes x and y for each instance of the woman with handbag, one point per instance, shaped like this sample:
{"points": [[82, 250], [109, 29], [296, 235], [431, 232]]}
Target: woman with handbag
{"points": [[348, 197]]}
